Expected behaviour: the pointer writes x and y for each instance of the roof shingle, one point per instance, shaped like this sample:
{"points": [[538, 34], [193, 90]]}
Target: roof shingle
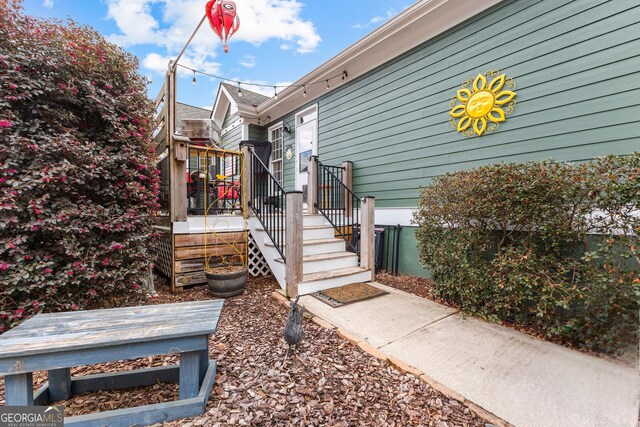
{"points": [[248, 97]]}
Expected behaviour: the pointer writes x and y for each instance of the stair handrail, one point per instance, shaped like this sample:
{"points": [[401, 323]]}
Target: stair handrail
{"points": [[339, 205], [271, 209]]}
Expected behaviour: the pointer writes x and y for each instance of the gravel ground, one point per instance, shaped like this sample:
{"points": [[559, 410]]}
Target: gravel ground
{"points": [[326, 381]]}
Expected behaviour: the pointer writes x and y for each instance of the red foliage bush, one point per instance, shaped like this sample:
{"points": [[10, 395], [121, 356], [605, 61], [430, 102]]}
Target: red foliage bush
{"points": [[77, 180]]}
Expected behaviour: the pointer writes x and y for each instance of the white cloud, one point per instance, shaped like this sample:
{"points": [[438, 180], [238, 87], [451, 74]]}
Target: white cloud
{"points": [[390, 13], [248, 61], [261, 20], [48, 3], [168, 24]]}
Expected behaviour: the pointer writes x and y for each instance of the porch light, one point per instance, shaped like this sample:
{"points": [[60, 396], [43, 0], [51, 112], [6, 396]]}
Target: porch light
{"points": [[304, 92], [275, 92], [239, 90], [328, 84], [194, 78]]}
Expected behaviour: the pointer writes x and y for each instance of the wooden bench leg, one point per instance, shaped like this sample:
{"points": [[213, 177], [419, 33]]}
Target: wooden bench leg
{"points": [[19, 389], [204, 361], [189, 374], [59, 384]]}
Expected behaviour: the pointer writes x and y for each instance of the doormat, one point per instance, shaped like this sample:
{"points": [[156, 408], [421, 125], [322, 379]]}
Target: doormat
{"points": [[343, 295]]}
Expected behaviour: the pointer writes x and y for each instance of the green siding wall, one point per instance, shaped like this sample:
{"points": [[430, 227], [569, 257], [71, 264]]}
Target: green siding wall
{"points": [[257, 133], [575, 63], [231, 139], [290, 165]]}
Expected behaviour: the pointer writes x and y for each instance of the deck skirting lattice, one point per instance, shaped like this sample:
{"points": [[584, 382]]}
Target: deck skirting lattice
{"points": [[163, 254], [257, 263]]}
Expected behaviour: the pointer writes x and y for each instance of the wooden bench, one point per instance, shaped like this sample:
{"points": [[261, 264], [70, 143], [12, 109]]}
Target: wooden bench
{"points": [[58, 341]]}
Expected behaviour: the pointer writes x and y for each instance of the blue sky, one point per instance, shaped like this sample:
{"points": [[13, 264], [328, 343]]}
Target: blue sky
{"points": [[279, 41]]}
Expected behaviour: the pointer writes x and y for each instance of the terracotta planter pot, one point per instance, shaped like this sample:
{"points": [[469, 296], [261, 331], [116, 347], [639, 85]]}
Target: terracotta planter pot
{"points": [[226, 284]]}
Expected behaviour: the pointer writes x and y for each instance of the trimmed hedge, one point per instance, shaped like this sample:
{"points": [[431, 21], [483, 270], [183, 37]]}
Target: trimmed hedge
{"points": [[550, 246], [77, 179]]}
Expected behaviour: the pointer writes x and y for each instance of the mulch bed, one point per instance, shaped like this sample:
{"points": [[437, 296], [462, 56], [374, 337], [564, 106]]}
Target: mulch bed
{"points": [[414, 285], [326, 381]]}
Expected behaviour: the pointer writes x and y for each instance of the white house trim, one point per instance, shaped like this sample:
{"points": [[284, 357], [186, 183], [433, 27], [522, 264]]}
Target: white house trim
{"points": [[415, 25], [395, 216], [276, 125], [220, 107], [244, 134], [311, 109]]}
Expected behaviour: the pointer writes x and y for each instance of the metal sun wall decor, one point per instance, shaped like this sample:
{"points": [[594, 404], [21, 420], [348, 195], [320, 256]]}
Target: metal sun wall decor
{"points": [[484, 106]]}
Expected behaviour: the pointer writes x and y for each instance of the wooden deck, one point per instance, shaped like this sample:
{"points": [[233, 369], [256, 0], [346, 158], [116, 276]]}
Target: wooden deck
{"points": [[189, 256]]}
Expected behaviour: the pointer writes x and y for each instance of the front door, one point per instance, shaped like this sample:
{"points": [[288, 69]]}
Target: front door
{"points": [[306, 146]]}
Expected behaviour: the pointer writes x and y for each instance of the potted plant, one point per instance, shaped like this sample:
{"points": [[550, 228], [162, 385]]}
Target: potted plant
{"points": [[227, 279], [226, 275]]}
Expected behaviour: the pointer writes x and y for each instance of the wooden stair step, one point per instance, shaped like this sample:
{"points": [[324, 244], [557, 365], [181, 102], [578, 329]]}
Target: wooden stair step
{"points": [[306, 227], [312, 242], [323, 257], [331, 274]]}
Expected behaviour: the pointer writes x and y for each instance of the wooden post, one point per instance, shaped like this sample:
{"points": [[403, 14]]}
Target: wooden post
{"points": [[293, 246], [19, 389], [347, 179], [312, 186], [367, 235], [177, 167], [247, 180], [59, 384]]}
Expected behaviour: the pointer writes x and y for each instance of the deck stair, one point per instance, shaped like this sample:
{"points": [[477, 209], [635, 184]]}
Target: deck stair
{"points": [[326, 261], [308, 242]]}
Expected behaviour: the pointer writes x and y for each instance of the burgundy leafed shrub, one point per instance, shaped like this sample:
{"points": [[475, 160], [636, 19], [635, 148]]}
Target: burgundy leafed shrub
{"points": [[77, 181], [551, 246]]}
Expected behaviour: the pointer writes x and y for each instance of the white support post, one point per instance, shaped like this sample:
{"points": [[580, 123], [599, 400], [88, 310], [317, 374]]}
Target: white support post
{"points": [[312, 186], [293, 247], [367, 235], [247, 180]]}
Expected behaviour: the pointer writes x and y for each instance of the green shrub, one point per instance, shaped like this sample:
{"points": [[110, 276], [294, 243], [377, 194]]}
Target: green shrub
{"points": [[551, 246], [77, 181]]}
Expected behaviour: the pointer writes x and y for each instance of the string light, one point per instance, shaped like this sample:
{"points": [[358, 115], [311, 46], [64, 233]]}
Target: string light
{"points": [[343, 75]]}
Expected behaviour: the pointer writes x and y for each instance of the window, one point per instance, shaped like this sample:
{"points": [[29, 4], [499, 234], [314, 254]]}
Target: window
{"points": [[276, 137]]}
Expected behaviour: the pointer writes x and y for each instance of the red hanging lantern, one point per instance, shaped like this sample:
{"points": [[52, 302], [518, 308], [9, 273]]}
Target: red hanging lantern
{"points": [[223, 19]]}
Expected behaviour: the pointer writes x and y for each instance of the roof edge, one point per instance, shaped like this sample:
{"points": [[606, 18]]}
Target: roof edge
{"points": [[398, 35]]}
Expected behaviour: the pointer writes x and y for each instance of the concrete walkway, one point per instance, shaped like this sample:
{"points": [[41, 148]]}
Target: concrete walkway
{"points": [[521, 379]]}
